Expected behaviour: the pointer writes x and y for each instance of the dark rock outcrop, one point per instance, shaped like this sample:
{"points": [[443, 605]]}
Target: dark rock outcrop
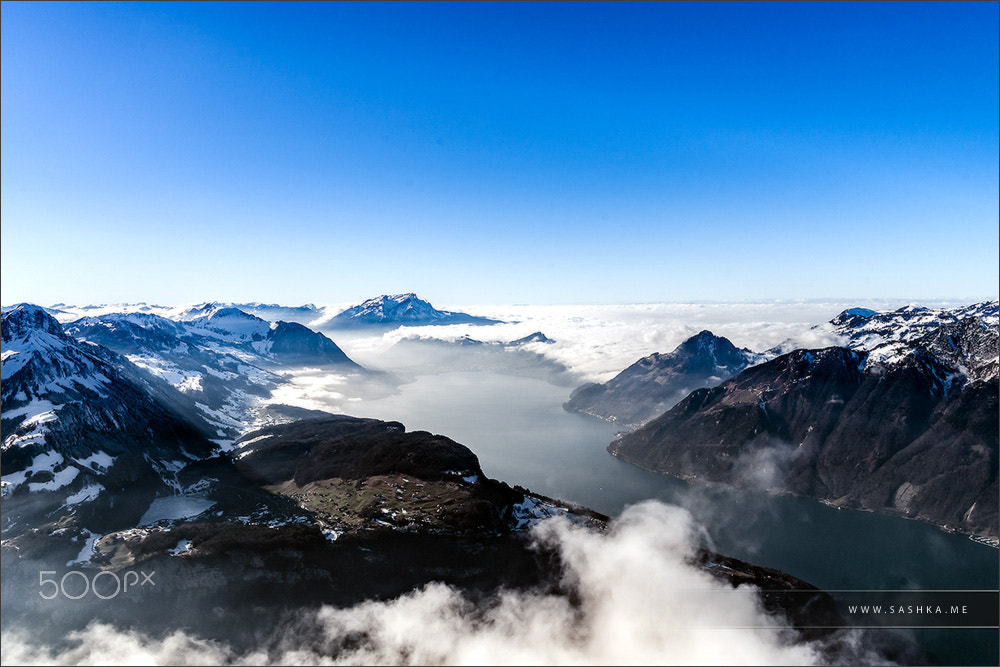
{"points": [[350, 448]]}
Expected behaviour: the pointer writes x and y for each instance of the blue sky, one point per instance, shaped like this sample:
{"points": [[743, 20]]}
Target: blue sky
{"points": [[499, 153]]}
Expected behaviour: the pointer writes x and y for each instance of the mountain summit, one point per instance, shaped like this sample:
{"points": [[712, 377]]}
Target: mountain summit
{"points": [[400, 309], [656, 383]]}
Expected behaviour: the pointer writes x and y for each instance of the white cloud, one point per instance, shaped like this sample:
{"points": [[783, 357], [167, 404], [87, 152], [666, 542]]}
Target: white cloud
{"points": [[101, 644], [638, 601], [310, 388], [597, 342]]}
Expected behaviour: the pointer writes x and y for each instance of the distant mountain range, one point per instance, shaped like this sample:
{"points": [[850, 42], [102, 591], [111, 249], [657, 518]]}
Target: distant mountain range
{"points": [[382, 311], [469, 341], [901, 419], [523, 356]]}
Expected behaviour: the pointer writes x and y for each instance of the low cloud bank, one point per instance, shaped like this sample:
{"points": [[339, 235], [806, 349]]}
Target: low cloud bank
{"points": [[634, 600], [596, 342], [591, 343]]}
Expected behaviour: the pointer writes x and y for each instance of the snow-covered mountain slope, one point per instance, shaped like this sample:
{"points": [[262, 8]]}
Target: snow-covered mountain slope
{"points": [[79, 419], [963, 338], [218, 376], [232, 325], [400, 309], [227, 361]]}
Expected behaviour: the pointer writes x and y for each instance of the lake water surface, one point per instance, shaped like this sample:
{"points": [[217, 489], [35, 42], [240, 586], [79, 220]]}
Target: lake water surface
{"points": [[522, 435]]}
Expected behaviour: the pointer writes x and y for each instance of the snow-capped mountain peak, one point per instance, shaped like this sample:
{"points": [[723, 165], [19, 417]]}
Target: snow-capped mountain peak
{"points": [[25, 319], [401, 309], [396, 306], [33, 337]]}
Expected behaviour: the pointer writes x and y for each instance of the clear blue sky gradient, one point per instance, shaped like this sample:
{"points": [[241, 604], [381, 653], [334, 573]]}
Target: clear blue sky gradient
{"points": [[499, 153]]}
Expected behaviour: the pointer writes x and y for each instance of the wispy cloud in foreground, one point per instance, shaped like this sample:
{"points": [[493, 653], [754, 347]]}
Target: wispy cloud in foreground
{"points": [[636, 601]]}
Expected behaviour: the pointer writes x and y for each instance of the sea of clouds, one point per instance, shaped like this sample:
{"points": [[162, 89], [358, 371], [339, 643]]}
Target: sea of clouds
{"points": [[596, 341]]}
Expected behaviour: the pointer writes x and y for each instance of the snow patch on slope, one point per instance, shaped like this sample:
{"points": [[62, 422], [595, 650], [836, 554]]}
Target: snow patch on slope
{"points": [[174, 508]]}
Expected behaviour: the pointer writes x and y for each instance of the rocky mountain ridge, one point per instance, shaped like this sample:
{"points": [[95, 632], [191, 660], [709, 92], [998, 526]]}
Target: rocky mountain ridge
{"points": [[908, 426], [964, 338]]}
